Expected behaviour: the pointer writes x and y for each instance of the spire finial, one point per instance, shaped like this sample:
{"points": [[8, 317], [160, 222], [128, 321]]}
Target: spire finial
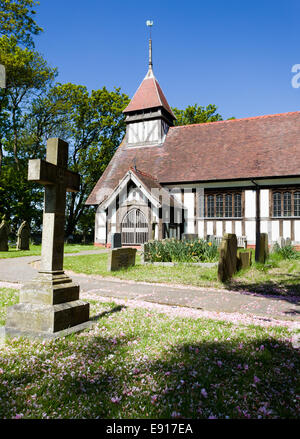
{"points": [[149, 23]]}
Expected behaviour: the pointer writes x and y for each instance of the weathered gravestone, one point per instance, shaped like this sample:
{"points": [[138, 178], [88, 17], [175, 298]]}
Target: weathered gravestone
{"points": [[4, 231], [281, 242], [23, 236], [244, 260], [263, 248], [121, 258], [49, 305], [116, 240], [228, 257]]}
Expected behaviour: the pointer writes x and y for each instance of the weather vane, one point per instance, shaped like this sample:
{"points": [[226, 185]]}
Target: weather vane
{"points": [[149, 23]]}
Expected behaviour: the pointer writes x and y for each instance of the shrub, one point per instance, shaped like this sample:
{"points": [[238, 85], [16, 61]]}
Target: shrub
{"points": [[286, 252], [174, 250]]}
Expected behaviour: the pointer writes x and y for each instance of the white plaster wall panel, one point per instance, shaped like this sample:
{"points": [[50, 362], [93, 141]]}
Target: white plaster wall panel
{"points": [[100, 223], [264, 226], [201, 229], [250, 201], [122, 197], [286, 229], [275, 230], [250, 230], [210, 228], [228, 227], [219, 228], [264, 203], [189, 205], [141, 131], [297, 230], [190, 226], [238, 228], [130, 134], [113, 220]]}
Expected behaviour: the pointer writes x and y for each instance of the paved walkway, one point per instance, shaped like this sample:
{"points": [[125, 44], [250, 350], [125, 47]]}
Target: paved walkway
{"points": [[20, 270]]}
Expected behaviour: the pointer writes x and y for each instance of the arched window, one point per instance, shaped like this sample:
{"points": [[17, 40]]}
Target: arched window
{"points": [[219, 206], [287, 204], [237, 205], [297, 204], [277, 204], [228, 205], [210, 206]]}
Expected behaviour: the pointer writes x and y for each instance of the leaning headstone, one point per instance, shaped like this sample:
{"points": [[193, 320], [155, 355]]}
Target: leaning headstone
{"points": [[116, 240], [263, 248], [23, 236], [4, 231], [121, 258], [49, 305], [228, 257], [281, 242], [189, 236], [244, 260], [288, 241]]}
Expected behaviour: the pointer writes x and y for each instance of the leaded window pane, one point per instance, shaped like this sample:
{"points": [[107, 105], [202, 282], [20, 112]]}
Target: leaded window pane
{"points": [[287, 204], [210, 206], [219, 206], [237, 205], [277, 204], [297, 203], [228, 205]]}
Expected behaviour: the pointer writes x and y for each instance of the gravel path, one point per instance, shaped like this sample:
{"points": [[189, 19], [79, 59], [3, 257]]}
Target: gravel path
{"points": [[220, 304]]}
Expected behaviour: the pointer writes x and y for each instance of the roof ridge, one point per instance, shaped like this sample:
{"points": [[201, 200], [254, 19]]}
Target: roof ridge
{"points": [[236, 120]]}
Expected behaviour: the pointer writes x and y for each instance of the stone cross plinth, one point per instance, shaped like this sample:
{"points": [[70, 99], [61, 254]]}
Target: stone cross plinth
{"points": [[49, 304]]}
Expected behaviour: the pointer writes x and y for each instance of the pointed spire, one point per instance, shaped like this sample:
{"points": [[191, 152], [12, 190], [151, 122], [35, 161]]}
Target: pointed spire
{"points": [[149, 94], [149, 23]]}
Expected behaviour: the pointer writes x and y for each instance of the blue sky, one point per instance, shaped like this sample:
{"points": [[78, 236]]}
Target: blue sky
{"points": [[235, 54]]}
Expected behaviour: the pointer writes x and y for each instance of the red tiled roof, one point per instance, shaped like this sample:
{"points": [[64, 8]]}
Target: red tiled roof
{"points": [[148, 95], [256, 147]]}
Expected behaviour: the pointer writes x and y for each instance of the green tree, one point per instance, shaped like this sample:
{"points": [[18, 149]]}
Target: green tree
{"points": [[27, 73], [92, 123], [16, 20], [194, 114]]}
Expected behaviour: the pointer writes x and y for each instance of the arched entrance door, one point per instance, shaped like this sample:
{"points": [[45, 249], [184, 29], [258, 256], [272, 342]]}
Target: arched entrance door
{"points": [[134, 228]]}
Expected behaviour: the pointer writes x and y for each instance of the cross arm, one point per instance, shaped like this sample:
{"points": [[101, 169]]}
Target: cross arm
{"points": [[45, 173]]}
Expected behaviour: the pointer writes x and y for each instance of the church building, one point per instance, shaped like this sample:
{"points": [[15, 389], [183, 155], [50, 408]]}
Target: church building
{"points": [[238, 176]]}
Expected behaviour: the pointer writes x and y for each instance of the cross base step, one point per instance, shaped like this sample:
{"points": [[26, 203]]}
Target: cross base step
{"points": [[46, 319], [12, 332]]}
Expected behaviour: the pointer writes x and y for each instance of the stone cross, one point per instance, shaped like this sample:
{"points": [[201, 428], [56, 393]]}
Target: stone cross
{"points": [[57, 179], [49, 304]]}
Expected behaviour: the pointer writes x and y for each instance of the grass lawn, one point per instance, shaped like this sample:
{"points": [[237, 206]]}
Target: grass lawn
{"points": [[180, 274], [278, 276], [35, 250], [138, 363]]}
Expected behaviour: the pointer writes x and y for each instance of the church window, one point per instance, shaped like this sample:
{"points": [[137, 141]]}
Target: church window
{"points": [[219, 206], [277, 204], [228, 205], [297, 204], [210, 206], [287, 204], [237, 205]]}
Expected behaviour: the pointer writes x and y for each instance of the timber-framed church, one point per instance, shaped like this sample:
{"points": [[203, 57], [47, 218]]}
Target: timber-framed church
{"points": [[237, 176]]}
